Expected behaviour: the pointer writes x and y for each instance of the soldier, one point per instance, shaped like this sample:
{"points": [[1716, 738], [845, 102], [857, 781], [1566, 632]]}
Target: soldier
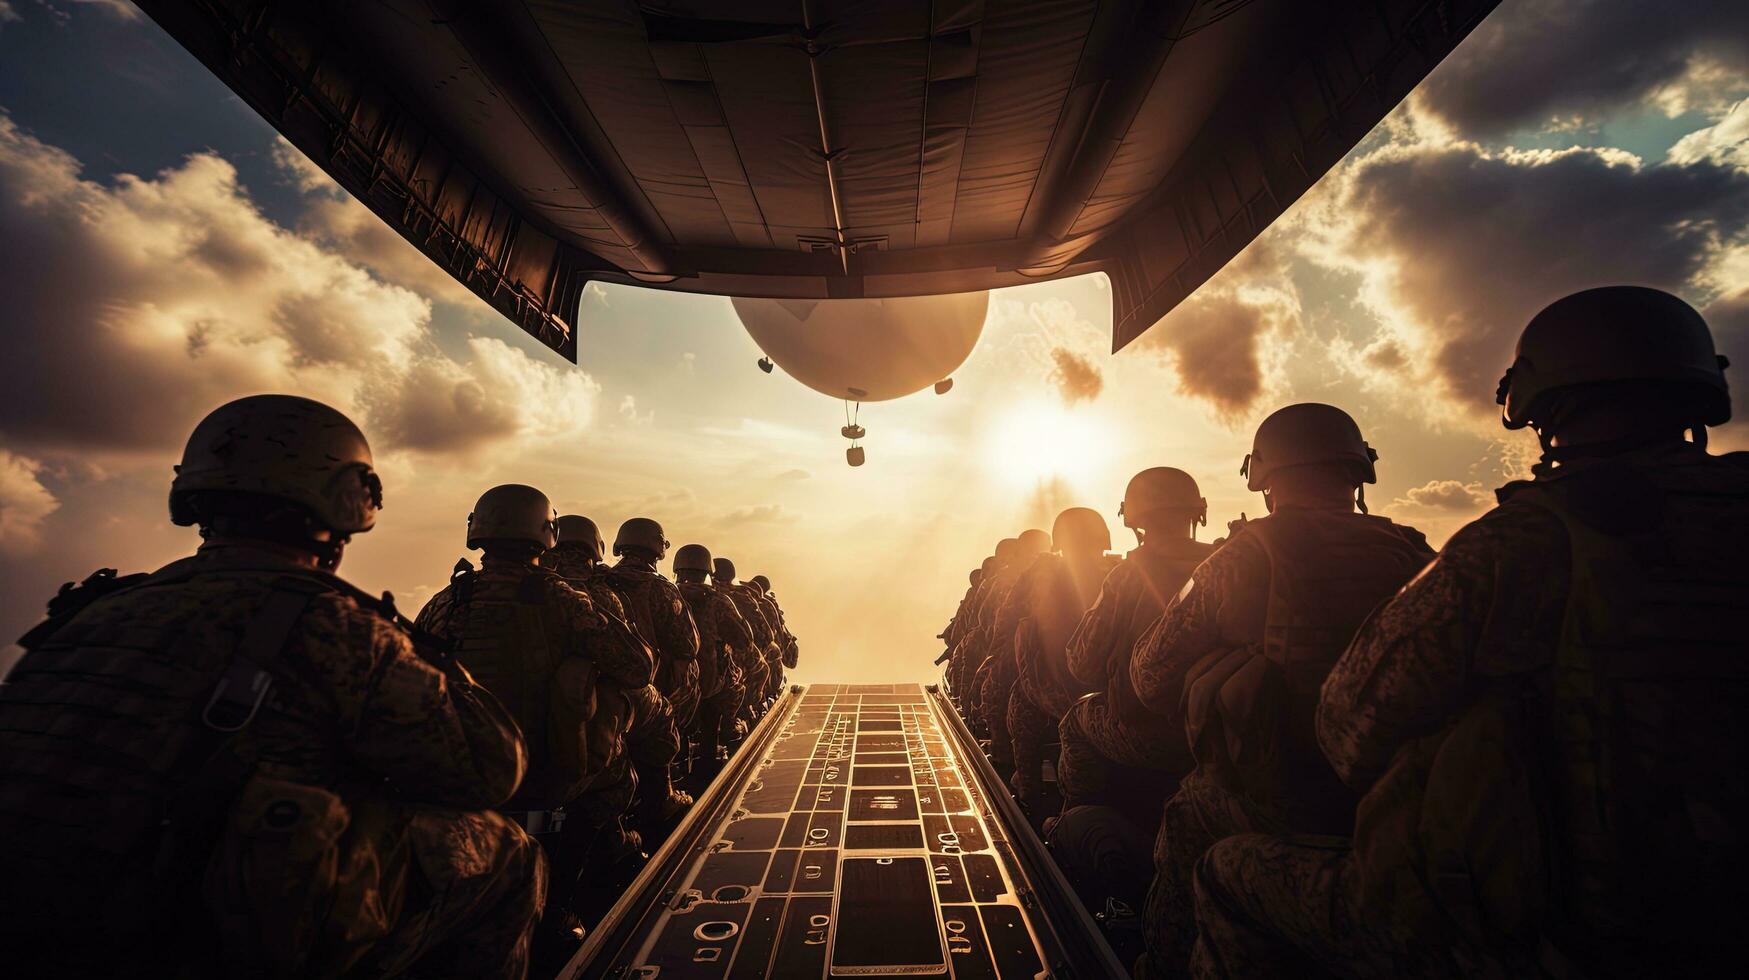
{"points": [[1551, 723], [640, 714], [997, 667], [786, 641], [1043, 608], [241, 764], [973, 636], [1237, 659], [756, 667], [659, 613], [959, 669], [1115, 753], [540, 647], [723, 642]]}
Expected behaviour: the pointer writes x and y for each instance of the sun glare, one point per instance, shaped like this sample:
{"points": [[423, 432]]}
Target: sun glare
{"points": [[1039, 441]]}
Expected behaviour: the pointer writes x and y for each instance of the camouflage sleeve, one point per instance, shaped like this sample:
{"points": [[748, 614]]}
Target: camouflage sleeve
{"points": [[1197, 622], [755, 618], [1013, 607], [436, 616], [731, 628], [1103, 626], [603, 638], [677, 633], [436, 737], [1489, 606]]}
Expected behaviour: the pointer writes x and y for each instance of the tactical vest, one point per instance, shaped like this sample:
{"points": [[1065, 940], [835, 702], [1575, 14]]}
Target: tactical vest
{"points": [[1058, 601], [1650, 708], [1250, 711], [1160, 576], [121, 753], [714, 656], [504, 635]]}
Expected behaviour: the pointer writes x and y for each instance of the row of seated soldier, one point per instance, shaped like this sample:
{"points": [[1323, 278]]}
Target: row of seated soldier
{"points": [[242, 765], [1315, 747]]}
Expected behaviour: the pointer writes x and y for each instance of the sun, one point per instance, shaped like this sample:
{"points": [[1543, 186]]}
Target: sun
{"points": [[1038, 441]]}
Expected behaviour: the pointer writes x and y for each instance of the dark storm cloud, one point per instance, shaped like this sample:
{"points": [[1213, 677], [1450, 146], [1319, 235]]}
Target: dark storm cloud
{"points": [[1478, 243], [1077, 378], [1534, 61]]}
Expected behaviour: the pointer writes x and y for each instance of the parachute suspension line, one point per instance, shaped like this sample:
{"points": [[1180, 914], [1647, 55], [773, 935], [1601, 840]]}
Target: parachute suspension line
{"points": [[853, 432]]}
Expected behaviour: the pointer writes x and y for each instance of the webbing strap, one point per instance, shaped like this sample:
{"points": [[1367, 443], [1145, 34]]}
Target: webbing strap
{"points": [[243, 688]]}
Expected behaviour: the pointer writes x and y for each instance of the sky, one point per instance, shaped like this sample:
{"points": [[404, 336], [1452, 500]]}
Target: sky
{"points": [[165, 252]]}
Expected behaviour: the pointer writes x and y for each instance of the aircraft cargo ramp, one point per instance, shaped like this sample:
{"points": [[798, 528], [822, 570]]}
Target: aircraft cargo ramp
{"points": [[858, 832]]}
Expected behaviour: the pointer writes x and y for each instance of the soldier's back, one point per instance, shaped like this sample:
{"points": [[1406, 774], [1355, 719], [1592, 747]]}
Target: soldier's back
{"points": [[147, 730], [129, 675], [1649, 705]]}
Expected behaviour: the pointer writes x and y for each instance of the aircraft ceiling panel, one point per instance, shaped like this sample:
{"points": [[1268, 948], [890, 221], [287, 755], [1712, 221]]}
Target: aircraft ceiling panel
{"points": [[822, 148]]}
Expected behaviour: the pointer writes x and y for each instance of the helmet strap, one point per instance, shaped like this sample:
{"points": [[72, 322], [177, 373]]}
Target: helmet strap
{"points": [[1554, 456], [1360, 499]]}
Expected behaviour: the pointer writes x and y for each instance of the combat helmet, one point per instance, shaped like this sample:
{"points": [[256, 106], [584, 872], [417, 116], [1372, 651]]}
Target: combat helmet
{"points": [[1307, 433], [1615, 333], [579, 530], [1033, 542], [1080, 529], [761, 583], [692, 558], [284, 447], [1160, 490], [722, 569], [1007, 550], [513, 512], [643, 535]]}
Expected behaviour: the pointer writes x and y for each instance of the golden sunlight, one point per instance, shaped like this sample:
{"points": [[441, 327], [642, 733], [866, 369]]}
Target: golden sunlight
{"points": [[1038, 440]]}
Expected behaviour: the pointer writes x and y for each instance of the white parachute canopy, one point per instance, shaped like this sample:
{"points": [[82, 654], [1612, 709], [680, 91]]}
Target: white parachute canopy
{"points": [[867, 350]]}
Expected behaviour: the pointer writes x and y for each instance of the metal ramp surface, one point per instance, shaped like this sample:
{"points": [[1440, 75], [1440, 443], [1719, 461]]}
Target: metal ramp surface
{"points": [[858, 832]]}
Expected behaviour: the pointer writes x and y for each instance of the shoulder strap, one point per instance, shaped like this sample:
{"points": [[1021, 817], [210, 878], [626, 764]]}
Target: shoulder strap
{"points": [[243, 688], [72, 599]]}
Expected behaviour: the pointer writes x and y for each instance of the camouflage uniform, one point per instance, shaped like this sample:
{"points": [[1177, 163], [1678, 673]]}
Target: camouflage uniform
{"points": [[723, 639], [648, 738], [782, 642], [998, 665], [1045, 606], [971, 644], [1114, 750], [541, 646], [1463, 712], [1236, 660], [660, 615], [364, 755], [754, 666]]}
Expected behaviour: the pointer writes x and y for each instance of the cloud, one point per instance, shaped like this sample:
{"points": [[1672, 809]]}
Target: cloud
{"points": [[791, 476], [1459, 246], [117, 8], [1077, 378], [1445, 495], [628, 410], [136, 306], [1725, 143], [24, 503], [1225, 342], [7, 14], [761, 514], [339, 223], [1534, 63]]}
